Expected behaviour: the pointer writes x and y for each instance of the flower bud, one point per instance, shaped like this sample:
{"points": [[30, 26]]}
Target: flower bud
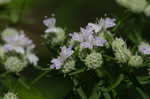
{"points": [[93, 60], [118, 43], [10, 95], [136, 61], [69, 66], [122, 55], [14, 64]]}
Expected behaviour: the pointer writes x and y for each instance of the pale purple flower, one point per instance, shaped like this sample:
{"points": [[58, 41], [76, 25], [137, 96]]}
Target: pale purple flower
{"points": [[76, 36], [101, 24], [91, 42], [50, 23], [17, 42], [64, 54], [99, 41], [57, 63], [95, 27], [144, 48], [87, 38], [108, 22]]}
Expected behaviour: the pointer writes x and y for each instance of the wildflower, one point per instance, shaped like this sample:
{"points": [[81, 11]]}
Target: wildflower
{"points": [[87, 39], [59, 33], [136, 6], [102, 24], [94, 60], [136, 61], [64, 54], [144, 48], [10, 95], [17, 42], [69, 66], [14, 64], [50, 23]]}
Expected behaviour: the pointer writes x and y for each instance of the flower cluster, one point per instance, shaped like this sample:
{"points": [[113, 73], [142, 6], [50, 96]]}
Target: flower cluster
{"points": [[124, 55], [17, 43], [88, 38]]}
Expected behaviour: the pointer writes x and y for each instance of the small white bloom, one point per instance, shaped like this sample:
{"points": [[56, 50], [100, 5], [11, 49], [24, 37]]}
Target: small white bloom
{"points": [[33, 59]]}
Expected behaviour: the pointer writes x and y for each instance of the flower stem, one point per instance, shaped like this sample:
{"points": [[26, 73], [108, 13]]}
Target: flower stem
{"points": [[39, 77], [79, 89], [116, 83]]}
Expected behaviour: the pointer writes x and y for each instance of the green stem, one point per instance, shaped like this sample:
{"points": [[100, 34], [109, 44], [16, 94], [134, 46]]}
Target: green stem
{"points": [[96, 93], [79, 89], [39, 77], [138, 86], [116, 83], [77, 72]]}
